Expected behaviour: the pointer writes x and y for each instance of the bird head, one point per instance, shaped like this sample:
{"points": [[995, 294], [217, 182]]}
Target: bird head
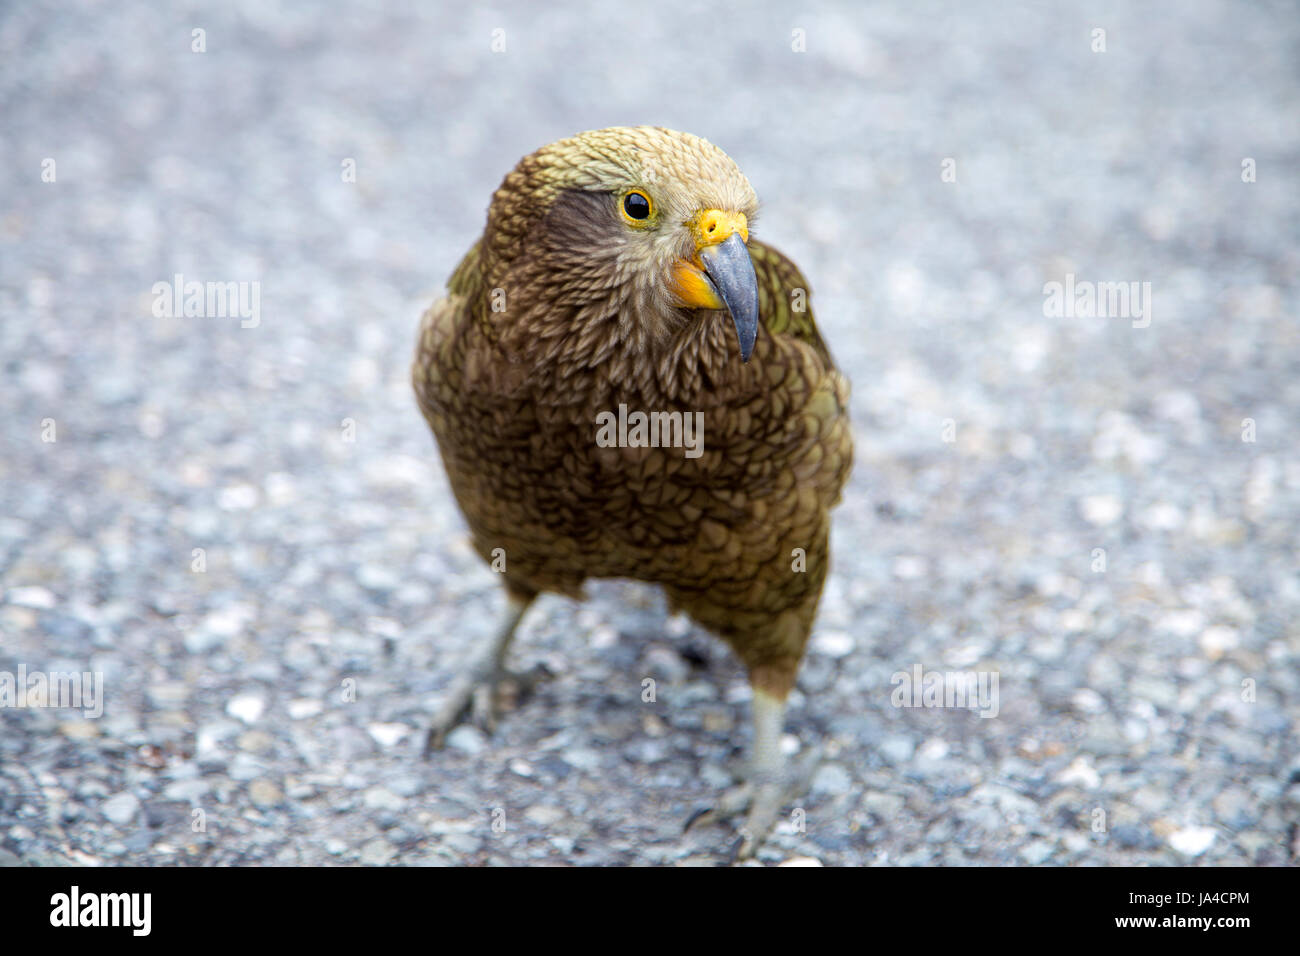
{"points": [[644, 224]]}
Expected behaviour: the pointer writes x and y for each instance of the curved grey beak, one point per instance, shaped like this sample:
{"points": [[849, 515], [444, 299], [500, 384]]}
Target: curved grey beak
{"points": [[731, 271]]}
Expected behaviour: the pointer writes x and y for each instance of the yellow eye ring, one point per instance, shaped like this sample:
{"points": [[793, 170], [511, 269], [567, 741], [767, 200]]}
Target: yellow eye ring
{"points": [[636, 207]]}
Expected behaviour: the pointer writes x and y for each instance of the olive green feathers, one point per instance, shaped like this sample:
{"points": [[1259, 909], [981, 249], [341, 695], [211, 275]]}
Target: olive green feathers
{"points": [[569, 309]]}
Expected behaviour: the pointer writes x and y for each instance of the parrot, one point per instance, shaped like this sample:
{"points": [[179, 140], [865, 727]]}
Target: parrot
{"points": [[624, 382]]}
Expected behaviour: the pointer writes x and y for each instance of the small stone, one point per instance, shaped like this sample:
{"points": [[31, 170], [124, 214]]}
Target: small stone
{"points": [[886, 806], [664, 663], [1235, 808], [186, 791], [1037, 852], [388, 735], [833, 779], [31, 596], [168, 694], [582, 758], [543, 816], [79, 729], [208, 738], [467, 739], [377, 578], [218, 628], [463, 843], [910, 567], [301, 708], [1192, 841], [237, 498], [406, 784], [246, 767], [264, 793], [1088, 701], [246, 707], [256, 741], [1163, 516], [835, 644], [1183, 622], [1133, 836], [936, 748], [120, 809], [1218, 640], [378, 852], [381, 798], [897, 749], [563, 844], [1080, 772], [801, 861], [1075, 842], [1100, 510]]}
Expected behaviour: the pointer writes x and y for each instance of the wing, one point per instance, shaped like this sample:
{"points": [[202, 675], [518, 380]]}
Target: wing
{"points": [[783, 296], [466, 280]]}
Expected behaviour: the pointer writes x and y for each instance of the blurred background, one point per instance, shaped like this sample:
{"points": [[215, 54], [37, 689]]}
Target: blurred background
{"points": [[244, 527]]}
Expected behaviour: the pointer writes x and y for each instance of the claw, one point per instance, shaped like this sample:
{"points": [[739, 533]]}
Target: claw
{"points": [[482, 695], [761, 799]]}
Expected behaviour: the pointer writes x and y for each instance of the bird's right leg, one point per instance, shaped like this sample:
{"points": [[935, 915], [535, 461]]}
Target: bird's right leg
{"points": [[474, 692]]}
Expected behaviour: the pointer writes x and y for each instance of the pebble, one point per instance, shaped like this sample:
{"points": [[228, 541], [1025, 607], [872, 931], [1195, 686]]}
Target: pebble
{"points": [[256, 741], [246, 707], [1101, 510], [264, 793], [168, 694], [246, 767], [239, 497], [832, 779], [378, 852], [834, 644], [1080, 772], [885, 805], [218, 628], [896, 748], [544, 816], [120, 809], [31, 596], [1218, 640], [302, 708], [1192, 841], [388, 735], [1037, 852], [381, 798], [467, 739], [79, 729], [187, 791]]}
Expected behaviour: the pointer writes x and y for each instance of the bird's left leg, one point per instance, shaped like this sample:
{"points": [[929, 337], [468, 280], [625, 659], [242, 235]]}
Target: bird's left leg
{"points": [[772, 782]]}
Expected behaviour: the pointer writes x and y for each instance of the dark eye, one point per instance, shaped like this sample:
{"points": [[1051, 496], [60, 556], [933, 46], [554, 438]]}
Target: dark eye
{"points": [[636, 205]]}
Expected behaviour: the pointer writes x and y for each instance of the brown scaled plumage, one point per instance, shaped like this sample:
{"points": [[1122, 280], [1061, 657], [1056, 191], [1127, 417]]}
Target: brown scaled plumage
{"points": [[569, 306]]}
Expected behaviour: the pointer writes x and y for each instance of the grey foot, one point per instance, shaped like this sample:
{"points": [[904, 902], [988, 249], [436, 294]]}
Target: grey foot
{"points": [[478, 697], [761, 799]]}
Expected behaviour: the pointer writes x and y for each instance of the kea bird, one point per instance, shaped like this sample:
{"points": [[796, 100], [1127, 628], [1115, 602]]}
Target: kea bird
{"points": [[617, 277]]}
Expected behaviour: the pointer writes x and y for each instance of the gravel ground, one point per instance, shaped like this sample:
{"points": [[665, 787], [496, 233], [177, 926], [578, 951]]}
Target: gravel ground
{"points": [[246, 532]]}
